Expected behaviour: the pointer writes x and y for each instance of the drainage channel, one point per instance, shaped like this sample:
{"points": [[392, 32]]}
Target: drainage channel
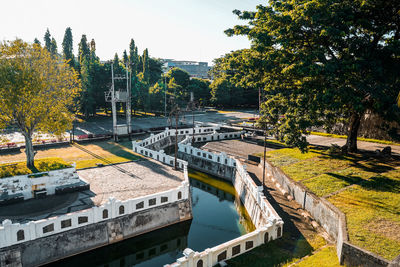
{"points": [[218, 216]]}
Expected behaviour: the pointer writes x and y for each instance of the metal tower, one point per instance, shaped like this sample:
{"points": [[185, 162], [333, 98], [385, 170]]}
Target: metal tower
{"points": [[123, 96]]}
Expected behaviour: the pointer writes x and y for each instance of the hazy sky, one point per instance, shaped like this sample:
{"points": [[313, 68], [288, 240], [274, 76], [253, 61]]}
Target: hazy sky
{"points": [[177, 29]]}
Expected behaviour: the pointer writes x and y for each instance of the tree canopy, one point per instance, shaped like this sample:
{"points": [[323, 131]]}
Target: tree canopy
{"points": [[322, 61], [36, 91]]}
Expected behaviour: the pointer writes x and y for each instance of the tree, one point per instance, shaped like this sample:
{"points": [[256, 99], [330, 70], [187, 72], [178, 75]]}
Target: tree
{"points": [[321, 61], [36, 91], [36, 41], [133, 57], [67, 47], [155, 70], [241, 89], [53, 48], [201, 90], [125, 58], [47, 40], [84, 49], [146, 66]]}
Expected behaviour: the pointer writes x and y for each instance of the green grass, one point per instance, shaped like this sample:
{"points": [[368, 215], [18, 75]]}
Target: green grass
{"points": [[372, 209], [366, 189], [326, 257], [358, 138], [42, 165]]}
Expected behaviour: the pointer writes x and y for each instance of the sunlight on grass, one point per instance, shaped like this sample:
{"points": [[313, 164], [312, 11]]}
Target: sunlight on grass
{"points": [[365, 205], [326, 257], [42, 165], [373, 197]]}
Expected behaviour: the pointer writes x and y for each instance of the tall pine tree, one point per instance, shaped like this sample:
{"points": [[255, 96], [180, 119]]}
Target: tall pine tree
{"points": [[146, 66], [47, 40], [53, 47], [67, 47], [84, 50]]}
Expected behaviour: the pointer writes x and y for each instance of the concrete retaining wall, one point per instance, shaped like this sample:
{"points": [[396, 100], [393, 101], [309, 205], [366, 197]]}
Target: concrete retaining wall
{"points": [[91, 236], [328, 216]]}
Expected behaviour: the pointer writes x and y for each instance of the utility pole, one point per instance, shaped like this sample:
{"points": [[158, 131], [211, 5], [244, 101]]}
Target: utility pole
{"points": [[113, 106], [165, 96], [128, 103], [176, 138], [265, 150]]}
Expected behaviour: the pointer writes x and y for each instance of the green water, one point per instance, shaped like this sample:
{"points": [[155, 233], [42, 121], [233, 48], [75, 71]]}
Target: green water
{"points": [[218, 216]]}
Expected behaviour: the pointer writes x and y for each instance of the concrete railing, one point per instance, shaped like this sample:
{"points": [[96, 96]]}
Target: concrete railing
{"points": [[220, 158], [14, 233], [27, 184], [171, 132], [227, 250]]}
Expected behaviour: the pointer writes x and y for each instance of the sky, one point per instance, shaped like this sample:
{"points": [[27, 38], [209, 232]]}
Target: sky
{"points": [[175, 29]]}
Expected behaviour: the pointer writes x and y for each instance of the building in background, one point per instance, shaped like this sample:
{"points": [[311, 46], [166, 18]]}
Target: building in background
{"points": [[194, 68]]}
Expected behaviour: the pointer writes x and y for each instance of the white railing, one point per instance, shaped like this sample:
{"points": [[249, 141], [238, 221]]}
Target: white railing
{"points": [[24, 184], [230, 249], [171, 132], [14, 233], [220, 158]]}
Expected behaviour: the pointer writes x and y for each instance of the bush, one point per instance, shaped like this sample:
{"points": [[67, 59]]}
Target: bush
{"points": [[42, 165]]}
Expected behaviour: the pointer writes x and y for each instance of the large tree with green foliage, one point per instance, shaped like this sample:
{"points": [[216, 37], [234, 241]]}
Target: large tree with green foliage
{"points": [[67, 47], [320, 61], [36, 91]]}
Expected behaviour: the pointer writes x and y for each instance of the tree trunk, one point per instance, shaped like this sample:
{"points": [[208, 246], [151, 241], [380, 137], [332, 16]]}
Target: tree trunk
{"points": [[354, 125], [29, 151]]}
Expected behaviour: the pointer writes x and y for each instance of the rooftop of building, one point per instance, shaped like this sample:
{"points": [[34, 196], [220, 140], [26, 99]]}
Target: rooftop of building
{"points": [[123, 181]]}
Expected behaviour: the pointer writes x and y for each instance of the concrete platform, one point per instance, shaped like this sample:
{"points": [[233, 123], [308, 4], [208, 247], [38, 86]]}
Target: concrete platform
{"points": [[122, 181]]}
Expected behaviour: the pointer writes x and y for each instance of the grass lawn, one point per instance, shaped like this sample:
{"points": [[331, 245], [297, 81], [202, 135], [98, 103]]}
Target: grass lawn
{"points": [[85, 155], [365, 188], [42, 165], [326, 257]]}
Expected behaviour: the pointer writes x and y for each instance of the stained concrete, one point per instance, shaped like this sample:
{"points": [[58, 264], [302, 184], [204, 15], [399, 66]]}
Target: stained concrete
{"points": [[92, 236]]}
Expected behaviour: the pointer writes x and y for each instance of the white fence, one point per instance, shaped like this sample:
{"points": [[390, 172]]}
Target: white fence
{"points": [[11, 234], [171, 132], [26, 184], [227, 250]]}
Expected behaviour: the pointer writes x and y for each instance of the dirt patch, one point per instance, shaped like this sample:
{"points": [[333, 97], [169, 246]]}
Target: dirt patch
{"points": [[387, 228]]}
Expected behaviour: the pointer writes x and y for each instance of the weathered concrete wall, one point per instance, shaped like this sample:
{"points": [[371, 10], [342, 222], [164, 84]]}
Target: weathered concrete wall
{"points": [[328, 216], [208, 166], [355, 256], [58, 246]]}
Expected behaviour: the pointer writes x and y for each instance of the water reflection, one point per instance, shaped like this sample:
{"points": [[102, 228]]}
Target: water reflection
{"points": [[218, 216]]}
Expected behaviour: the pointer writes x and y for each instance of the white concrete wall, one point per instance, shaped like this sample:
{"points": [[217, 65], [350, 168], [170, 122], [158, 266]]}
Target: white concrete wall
{"points": [[34, 229], [24, 184]]}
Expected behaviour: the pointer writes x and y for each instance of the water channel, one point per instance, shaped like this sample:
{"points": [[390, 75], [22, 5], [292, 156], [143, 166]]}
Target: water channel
{"points": [[218, 216]]}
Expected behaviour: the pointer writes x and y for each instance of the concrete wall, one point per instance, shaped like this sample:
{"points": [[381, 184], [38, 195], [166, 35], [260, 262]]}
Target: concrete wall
{"points": [[54, 247], [25, 184], [328, 216]]}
